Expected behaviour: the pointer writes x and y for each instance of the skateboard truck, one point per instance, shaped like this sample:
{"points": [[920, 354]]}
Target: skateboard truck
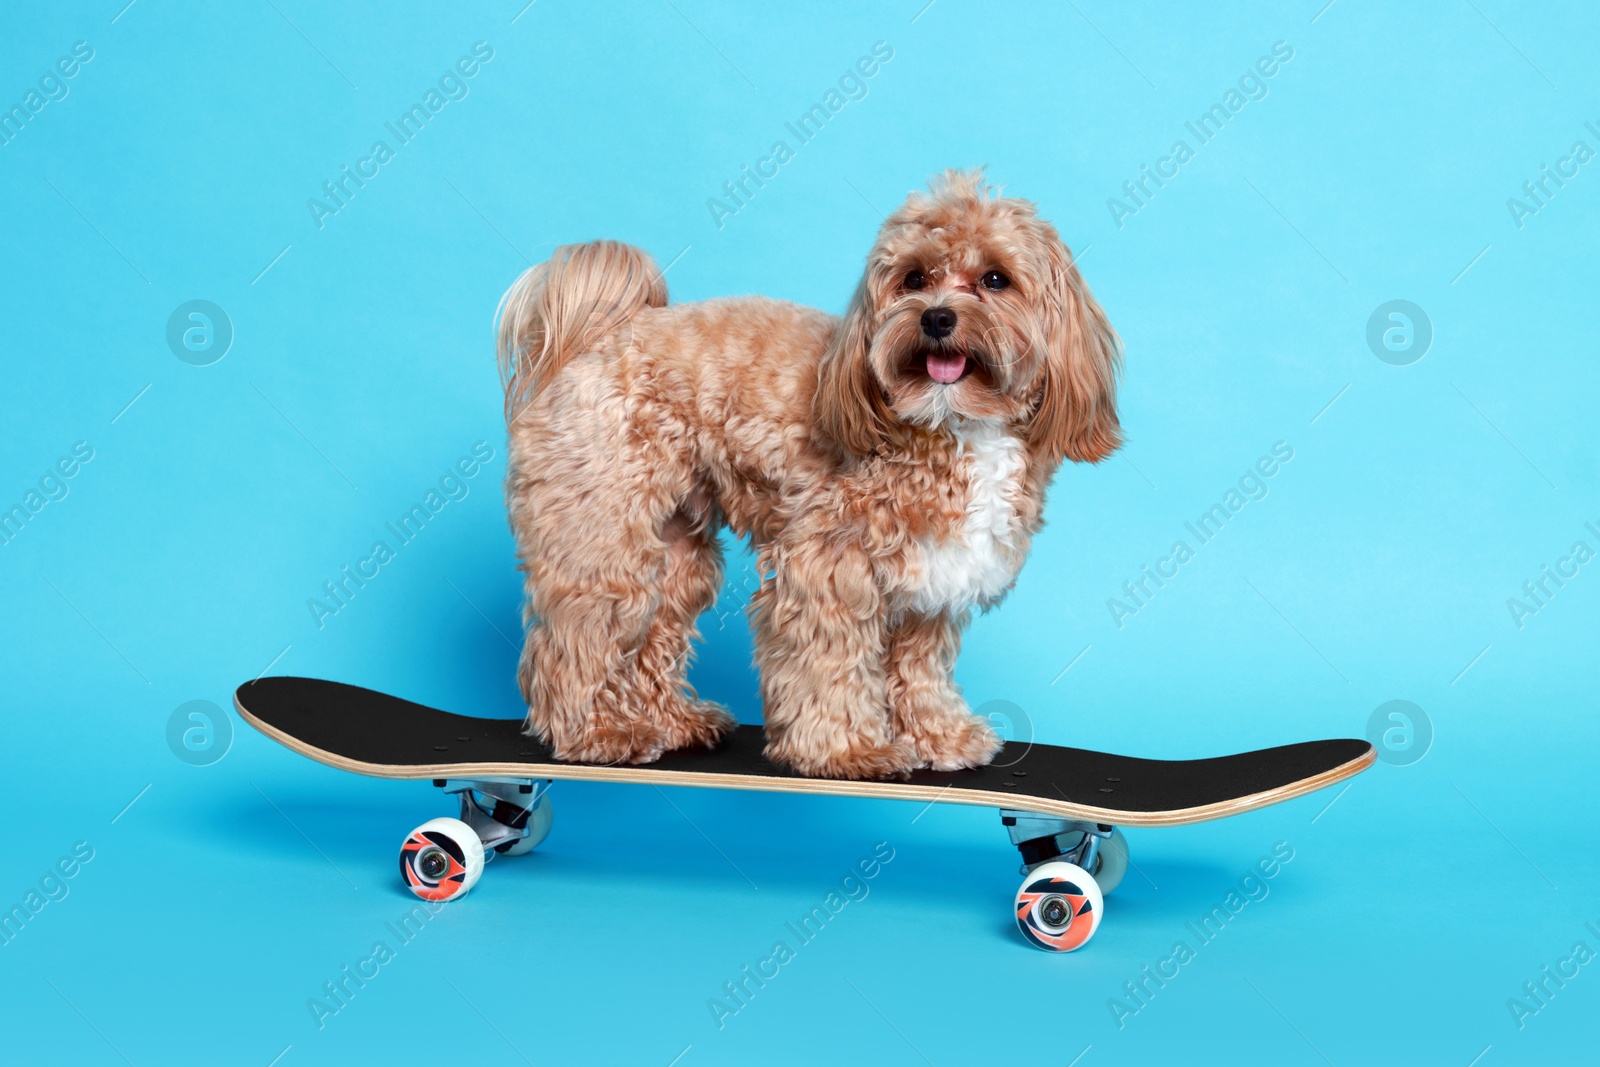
{"points": [[498, 809], [1042, 838]]}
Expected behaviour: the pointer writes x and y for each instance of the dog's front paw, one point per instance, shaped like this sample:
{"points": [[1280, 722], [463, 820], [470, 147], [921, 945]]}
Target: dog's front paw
{"points": [[611, 743], [859, 759], [697, 724], [952, 742]]}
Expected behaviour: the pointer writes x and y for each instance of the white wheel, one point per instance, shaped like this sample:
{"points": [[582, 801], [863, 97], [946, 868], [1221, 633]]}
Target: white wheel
{"points": [[1112, 862], [1058, 906], [539, 820], [441, 859]]}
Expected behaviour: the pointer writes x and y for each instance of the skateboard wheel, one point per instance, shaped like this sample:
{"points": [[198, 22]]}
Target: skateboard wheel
{"points": [[1058, 906], [441, 859], [539, 820], [1112, 863]]}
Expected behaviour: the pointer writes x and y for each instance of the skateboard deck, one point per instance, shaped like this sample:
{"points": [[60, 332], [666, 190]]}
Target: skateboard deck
{"points": [[372, 733], [1062, 806]]}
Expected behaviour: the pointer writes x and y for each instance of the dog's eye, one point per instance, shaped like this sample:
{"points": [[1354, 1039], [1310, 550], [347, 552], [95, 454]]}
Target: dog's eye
{"points": [[915, 280], [994, 280]]}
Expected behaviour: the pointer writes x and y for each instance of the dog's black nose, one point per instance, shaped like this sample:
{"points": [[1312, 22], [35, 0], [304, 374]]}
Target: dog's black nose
{"points": [[938, 323]]}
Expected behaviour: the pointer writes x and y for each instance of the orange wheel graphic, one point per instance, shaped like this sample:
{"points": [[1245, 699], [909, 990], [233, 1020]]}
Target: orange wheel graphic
{"points": [[1059, 906], [441, 859]]}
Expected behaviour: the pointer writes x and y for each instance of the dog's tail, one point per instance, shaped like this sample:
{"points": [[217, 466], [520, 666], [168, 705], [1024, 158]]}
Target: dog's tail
{"points": [[565, 307]]}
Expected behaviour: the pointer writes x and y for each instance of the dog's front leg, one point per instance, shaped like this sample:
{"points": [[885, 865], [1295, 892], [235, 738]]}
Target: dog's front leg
{"points": [[820, 637], [925, 703]]}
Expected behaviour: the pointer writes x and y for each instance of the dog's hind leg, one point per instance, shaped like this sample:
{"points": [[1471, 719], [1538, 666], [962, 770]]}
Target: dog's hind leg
{"points": [[589, 613], [657, 684], [593, 558]]}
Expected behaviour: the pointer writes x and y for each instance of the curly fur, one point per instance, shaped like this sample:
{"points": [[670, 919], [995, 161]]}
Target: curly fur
{"points": [[885, 504]]}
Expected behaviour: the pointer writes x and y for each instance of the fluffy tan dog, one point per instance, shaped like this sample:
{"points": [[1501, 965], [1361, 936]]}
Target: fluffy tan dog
{"points": [[889, 467]]}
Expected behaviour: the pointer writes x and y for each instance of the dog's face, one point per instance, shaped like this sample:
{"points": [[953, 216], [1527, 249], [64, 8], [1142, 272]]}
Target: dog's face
{"points": [[971, 308]]}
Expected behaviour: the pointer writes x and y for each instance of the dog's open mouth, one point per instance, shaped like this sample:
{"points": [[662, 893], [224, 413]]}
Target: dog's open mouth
{"points": [[947, 368]]}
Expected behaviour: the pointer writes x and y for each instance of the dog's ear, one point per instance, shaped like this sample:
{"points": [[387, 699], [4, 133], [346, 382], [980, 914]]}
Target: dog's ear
{"points": [[850, 408], [1077, 414]]}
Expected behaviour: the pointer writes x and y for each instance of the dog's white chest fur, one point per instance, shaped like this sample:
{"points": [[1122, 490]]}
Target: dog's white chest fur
{"points": [[977, 563]]}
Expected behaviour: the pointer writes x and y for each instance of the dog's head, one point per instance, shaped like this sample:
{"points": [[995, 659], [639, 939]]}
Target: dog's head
{"points": [[971, 308]]}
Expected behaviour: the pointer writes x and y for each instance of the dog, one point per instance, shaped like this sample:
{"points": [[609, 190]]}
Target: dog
{"points": [[888, 466]]}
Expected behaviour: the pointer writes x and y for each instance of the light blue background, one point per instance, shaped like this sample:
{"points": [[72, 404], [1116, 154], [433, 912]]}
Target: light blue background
{"points": [[1378, 167]]}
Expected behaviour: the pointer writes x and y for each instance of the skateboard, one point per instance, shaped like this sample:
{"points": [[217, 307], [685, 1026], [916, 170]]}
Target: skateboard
{"points": [[1063, 808]]}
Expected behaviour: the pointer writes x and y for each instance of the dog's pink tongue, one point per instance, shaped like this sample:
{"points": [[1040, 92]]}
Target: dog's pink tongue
{"points": [[946, 369]]}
